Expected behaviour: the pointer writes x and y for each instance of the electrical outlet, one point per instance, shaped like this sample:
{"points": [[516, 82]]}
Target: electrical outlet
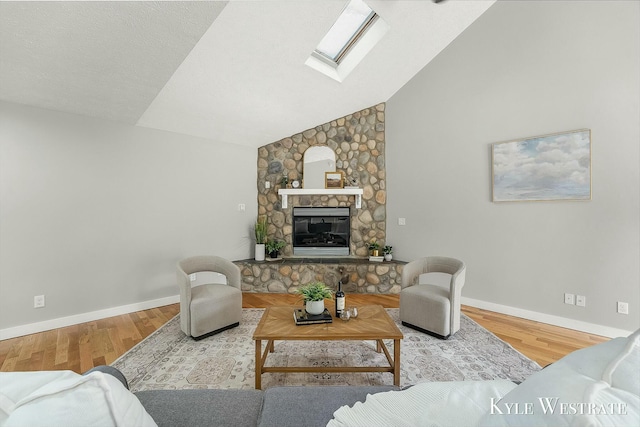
{"points": [[241, 207], [569, 299], [193, 277], [267, 184], [581, 300], [623, 307], [38, 301], [402, 221]]}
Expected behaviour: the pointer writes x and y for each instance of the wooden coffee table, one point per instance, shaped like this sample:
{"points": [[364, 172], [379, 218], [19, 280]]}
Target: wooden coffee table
{"points": [[372, 323]]}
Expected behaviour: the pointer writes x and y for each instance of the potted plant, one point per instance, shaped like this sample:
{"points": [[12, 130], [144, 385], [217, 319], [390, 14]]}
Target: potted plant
{"points": [[374, 248], [313, 294], [273, 247], [261, 237], [387, 251]]}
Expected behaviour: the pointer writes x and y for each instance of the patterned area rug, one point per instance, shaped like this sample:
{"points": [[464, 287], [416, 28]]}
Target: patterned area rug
{"points": [[168, 359]]}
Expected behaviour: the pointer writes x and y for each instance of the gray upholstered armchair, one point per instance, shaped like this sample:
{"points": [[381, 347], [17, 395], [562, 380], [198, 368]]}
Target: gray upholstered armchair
{"points": [[209, 308], [430, 308]]}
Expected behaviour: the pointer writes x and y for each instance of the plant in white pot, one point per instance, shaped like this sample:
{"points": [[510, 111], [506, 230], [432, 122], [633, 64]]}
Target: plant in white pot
{"points": [[261, 237], [314, 294], [388, 251]]}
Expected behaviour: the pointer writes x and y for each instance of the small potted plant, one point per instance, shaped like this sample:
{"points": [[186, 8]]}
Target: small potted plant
{"points": [[274, 247], [313, 294], [387, 251], [261, 237], [374, 248]]}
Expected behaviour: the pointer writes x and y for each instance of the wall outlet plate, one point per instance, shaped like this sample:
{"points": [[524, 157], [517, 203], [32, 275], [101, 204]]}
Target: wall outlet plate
{"points": [[623, 307], [569, 299], [581, 300], [38, 301], [193, 277]]}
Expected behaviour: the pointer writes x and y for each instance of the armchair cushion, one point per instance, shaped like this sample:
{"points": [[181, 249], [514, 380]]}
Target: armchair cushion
{"points": [[213, 307]]}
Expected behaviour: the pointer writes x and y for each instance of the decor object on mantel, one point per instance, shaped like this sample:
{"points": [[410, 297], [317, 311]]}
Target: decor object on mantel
{"points": [[333, 180], [261, 237], [314, 294], [317, 160], [284, 181], [274, 247], [388, 252]]}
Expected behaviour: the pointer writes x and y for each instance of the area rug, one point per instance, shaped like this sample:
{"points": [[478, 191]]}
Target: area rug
{"points": [[168, 359]]}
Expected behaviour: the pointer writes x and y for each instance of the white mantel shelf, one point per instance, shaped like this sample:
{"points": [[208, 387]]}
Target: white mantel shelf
{"points": [[285, 192]]}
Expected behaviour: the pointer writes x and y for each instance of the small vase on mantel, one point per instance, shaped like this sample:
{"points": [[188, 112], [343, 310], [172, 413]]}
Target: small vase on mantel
{"points": [[388, 257], [259, 255]]}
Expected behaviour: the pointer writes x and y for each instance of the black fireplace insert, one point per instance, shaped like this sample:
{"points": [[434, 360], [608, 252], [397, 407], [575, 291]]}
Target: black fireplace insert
{"points": [[321, 231]]}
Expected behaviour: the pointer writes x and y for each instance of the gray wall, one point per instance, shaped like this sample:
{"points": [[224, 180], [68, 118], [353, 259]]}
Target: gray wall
{"points": [[95, 215], [525, 68]]}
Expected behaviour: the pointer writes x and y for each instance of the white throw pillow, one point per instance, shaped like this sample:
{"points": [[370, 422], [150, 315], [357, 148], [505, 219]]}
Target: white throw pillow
{"points": [[574, 391], [442, 404], [64, 398], [624, 372]]}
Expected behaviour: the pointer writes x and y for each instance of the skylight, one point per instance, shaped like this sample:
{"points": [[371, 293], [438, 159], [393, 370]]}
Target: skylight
{"points": [[354, 34], [350, 25]]}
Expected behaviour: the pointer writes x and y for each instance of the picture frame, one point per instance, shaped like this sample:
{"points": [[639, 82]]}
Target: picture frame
{"points": [[333, 180], [550, 167]]}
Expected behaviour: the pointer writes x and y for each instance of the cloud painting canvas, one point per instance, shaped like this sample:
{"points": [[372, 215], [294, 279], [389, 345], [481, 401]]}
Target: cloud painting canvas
{"points": [[550, 167]]}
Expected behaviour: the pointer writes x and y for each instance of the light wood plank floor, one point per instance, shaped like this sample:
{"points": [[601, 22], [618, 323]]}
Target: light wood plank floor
{"points": [[81, 347]]}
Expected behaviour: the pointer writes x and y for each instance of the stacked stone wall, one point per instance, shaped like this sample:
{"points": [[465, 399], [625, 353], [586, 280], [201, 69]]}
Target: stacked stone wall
{"points": [[359, 143], [358, 276]]}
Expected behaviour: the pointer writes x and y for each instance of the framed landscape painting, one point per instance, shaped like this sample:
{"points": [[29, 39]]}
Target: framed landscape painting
{"points": [[548, 167], [333, 180]]}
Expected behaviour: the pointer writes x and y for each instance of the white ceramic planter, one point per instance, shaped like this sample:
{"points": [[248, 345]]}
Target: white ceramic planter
{"points": [[259, 256], [388, 257], [315, 307]]}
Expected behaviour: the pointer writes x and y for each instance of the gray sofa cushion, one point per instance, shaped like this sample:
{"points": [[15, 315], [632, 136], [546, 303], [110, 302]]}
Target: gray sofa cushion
{"points": [[309, 406], [233, 408]]}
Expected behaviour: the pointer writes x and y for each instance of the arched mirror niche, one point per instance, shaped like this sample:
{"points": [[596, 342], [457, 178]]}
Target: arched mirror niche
{"points": [[317, 161]]}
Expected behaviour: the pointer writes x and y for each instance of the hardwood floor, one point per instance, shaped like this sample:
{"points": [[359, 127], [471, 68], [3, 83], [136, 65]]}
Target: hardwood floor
{"points": [[81, 347]]}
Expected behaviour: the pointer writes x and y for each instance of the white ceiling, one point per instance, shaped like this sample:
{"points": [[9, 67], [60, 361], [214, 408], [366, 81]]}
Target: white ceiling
{"points": [[231, 72]]}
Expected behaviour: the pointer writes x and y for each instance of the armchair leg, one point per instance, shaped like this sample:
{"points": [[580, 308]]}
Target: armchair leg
{"points": [[217, 331], [433, 334]]}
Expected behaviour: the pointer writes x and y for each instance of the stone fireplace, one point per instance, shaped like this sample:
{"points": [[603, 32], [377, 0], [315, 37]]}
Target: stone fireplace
{"points": [[358, 141]]}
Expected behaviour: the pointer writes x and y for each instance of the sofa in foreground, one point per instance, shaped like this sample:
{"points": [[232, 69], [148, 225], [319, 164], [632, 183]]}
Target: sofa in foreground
{"points": [[596, 386]]}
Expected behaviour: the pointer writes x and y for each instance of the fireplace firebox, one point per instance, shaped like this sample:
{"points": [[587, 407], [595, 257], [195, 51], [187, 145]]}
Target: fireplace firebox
{"points": [[321, 231]]}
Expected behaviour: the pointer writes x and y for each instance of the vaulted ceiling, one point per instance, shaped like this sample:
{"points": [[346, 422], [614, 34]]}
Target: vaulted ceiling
{"points": [[232, 72]]}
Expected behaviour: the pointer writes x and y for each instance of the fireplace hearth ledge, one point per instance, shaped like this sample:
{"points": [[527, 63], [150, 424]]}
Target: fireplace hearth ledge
{"points": [[287, 274]]}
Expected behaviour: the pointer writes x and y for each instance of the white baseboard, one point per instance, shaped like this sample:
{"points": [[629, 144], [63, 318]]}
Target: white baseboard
{"points": [[61, 322], [550, 319]]}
